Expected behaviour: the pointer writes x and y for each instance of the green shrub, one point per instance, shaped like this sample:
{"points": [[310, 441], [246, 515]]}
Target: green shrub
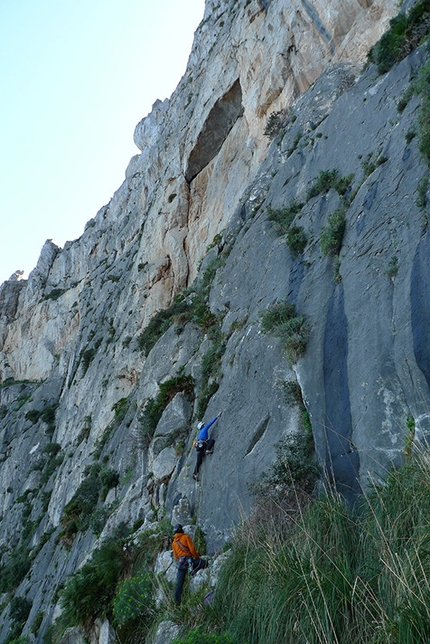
{"points": [[424, 128], [77, 512], [150, 543], [51, 464], [295, 463], [370, 164], [90, 592], [191, 305], [33, 415], [55, 294], [405, 33], [294, 468], [22, 639], [217, 240], [197, 636], [21, 400], [154, 407], [104, 438], [12, 637], [343, 184], [52, 449], [405, 98], [393, 267], [149, 419], [98, 518], [280, 319], [391, 47], [200, 541], [120, 409], [283, 217], [14, 571], [292, 392], [295, 142], [237, 325], [297, 240], [295, 335], [275, 315], [47, 415], [203, 315], [410, 134], [37, 622], [134, 600], [20, 608], [326, 180], [168, 389], [87, 356], [421, 87], [409, 440], [332, 234], [421, 201], [160, 323], [210, 370], [86, 429], [274, 124], [109, 478]]}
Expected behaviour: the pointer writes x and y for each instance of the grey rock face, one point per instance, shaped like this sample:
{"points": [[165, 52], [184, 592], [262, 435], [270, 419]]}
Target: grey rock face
{"points": [[73, 635], [166, 632], [103, 632], [368, 370], [83, 370], [176, 416]]}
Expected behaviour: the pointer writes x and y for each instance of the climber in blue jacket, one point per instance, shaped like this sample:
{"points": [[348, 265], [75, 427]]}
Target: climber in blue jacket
{"points": [[203, 444]]}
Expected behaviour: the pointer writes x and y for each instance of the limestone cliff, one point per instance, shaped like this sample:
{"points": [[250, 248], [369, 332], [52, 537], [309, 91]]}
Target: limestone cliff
{"points": [[118, 343]]}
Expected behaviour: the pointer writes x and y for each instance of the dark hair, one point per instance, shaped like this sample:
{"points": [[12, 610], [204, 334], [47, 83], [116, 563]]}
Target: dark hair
{"points": [[178, 528]]}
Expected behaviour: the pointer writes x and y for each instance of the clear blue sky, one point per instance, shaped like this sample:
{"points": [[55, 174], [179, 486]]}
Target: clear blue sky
{"points": [[76, 76]]}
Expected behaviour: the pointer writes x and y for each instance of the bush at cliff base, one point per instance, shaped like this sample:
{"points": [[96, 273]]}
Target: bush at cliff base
{"points": [[196, 636], [134, 600]]}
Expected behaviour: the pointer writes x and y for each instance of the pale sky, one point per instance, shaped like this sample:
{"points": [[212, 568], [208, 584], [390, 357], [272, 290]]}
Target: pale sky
{"points": [[76, 76]]}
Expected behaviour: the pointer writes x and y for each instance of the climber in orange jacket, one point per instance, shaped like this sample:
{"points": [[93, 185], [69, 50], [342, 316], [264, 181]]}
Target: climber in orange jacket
{"points": [[188, 558]]}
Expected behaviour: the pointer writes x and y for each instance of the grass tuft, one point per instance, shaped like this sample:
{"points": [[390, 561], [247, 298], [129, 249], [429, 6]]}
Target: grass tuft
{"points": [[321, 572], [332, 234], [280, 319], [283, 217]]}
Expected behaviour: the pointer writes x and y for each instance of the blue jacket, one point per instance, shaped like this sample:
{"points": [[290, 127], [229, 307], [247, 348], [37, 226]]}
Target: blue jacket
{"points": [[204, 432]]}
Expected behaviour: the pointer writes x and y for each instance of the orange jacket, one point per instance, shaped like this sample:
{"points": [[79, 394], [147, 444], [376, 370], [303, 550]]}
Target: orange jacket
{"points": [[183, 546]]}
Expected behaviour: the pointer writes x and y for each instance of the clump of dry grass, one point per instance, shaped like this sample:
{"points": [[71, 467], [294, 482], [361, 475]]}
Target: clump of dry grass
{"points": [[319, 572]]}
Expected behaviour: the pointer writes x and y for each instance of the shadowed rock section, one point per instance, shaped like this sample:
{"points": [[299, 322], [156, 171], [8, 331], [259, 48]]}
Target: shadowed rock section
{"points": [[258, 435], [218, 124], [342, 461], [420, 306]]}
